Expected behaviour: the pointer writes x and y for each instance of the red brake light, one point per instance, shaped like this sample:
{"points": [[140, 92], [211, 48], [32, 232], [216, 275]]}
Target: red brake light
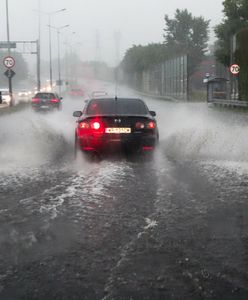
{"points": [[84, 125], [35, 100], [54, 100], [147, 148], [96, 125], [151, 125], [140, 125], [93, 126]]}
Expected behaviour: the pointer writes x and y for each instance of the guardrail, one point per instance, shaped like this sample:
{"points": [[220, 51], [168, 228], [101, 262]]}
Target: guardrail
{"points": [[230, 103]]}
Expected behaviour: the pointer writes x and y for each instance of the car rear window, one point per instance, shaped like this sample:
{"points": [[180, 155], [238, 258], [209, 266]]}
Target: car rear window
{"points": [[120, 106], [45, 95], [99, 94]]}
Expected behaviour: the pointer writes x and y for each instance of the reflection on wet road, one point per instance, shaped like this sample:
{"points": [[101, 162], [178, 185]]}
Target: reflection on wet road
{"points": [[171, 228]]}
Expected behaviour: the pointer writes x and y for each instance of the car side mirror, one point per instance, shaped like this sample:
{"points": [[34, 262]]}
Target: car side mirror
{"points": [[77, 114], [153, 113]]}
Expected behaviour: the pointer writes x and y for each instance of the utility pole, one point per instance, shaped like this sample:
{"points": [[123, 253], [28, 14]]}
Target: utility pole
{"points": [[98, 48], [38, 65], [117, 40], [58, 29], [8, 42], [49, 14], [38, 49], [97, 54], [50, 52], [59, 67]]}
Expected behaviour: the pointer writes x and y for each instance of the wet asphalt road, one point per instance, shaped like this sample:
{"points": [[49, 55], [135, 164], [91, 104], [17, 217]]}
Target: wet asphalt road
{"points": [[175, 227]]}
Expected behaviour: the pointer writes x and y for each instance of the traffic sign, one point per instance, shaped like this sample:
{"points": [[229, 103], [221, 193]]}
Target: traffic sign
{"points": [[7, 45], [9, 73], [9, 62], [234, 69]]}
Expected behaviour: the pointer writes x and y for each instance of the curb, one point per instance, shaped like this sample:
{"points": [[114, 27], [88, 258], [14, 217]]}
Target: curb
{"points": [[6, 109], [4, 105], [165, 98]]}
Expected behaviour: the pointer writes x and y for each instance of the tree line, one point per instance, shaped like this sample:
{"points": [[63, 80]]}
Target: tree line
{"points": [[185, 34]]}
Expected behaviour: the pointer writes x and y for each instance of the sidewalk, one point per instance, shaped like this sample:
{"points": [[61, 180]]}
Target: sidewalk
{"points": [[4, 105]]}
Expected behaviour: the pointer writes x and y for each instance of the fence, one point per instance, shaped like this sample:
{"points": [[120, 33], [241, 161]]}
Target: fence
{"points": [[168, 79]]}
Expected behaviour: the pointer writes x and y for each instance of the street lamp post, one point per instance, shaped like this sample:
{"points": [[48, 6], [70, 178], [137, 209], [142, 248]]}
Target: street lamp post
{"points": [[50, 44], [8, 42], [58, 29], [67, 54], [50, 14], [38, 50]]}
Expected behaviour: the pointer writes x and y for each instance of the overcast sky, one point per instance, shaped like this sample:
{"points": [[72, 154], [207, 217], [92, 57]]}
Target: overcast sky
{"points": [[138, 21]]}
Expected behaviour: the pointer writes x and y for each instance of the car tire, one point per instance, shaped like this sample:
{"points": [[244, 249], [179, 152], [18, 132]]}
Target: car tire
{"points": [[76, 149]]}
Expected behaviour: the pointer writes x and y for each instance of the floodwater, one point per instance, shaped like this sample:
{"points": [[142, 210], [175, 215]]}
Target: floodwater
{"points": [[171, 228]]}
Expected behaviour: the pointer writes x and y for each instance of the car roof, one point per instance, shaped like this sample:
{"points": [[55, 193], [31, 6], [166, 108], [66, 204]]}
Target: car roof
{"points": [[99, 92], [116, 98], [45, 93], [109, 110]]}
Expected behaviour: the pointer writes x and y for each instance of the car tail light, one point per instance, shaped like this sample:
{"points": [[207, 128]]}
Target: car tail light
{"points": [[88, 148], [94, 126], [97, 126], [151, 125], [54, 100], [147, 148], [84, 125], [139, 125], [35, 100]]}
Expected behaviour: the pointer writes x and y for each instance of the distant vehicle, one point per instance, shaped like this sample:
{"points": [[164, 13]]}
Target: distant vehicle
{"points": [[98, 94], [5, 96], [76, 92], [107, 124], [24, 95], [46, 101]]}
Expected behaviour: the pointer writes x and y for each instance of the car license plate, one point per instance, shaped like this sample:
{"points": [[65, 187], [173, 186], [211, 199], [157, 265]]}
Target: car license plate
{"points": [[118, 130], [44, 106]]}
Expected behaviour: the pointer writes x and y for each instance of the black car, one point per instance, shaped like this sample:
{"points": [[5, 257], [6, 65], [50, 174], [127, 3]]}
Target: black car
{"points": [[46, 101], [108, 124]]}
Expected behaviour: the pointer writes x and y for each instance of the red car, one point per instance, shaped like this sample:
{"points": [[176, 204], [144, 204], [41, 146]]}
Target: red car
{"points": [[109, 124], [76, 92]]}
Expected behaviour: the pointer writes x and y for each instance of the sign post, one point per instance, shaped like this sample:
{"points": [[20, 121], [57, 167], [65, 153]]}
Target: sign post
{"points": [[9, 63], [234, 69], [9, 73]]}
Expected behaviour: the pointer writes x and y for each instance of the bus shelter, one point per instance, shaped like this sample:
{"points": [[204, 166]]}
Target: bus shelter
{"points": [[217, 89]]}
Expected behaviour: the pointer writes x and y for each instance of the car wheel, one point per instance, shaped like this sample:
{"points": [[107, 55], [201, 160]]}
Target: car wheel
{"points": [[76, 149]]}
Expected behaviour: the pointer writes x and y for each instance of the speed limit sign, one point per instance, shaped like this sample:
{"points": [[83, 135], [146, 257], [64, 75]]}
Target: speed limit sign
{"points": [[9, 62], [234, 69]]}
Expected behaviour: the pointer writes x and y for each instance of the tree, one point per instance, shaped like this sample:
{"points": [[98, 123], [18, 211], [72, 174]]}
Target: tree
{"points": [[185, 34], [139, 58], [241, 56], [235, 18]]}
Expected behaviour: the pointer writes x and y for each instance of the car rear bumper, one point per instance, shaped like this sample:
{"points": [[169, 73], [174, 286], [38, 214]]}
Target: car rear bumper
{"points": [[45, 107], [108, 143]]}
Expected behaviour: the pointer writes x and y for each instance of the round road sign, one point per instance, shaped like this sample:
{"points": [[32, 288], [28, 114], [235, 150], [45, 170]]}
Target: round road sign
{"points": [[9, 62], [234, 69]]}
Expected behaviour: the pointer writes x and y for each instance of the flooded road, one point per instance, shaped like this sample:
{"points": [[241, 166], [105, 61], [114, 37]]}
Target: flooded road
{"points": [[175, 227]]}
